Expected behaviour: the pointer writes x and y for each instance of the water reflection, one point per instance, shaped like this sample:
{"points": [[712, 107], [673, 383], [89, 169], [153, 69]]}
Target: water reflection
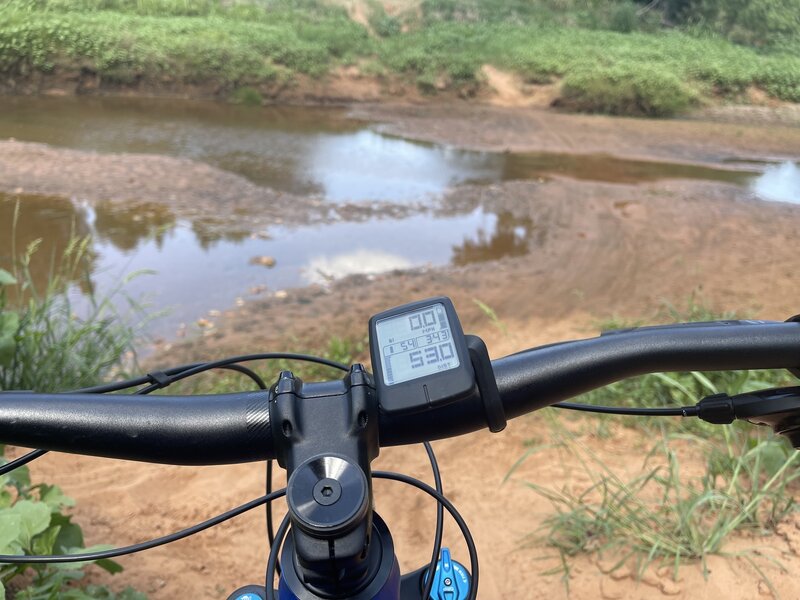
{"points": [[201, 265], [308, 150], [780, 183], [126, 226], [324, 269], [508, 236], [48, 223], [299, 150]]}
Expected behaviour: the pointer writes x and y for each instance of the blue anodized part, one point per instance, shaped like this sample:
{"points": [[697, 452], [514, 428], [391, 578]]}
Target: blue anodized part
{"points": [[451, 579]]}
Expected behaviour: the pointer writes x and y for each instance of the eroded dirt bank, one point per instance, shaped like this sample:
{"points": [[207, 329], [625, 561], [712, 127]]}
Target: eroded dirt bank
{"points": [[538, 130]]}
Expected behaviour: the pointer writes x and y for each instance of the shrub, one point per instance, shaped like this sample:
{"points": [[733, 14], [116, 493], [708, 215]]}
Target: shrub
{"points": [[645, 92], [246, 95], [44, 345]]}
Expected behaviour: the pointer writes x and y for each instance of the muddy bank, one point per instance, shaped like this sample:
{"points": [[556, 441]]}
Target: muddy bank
{"points": [[192, 190], [537, 130], [593, 251]]}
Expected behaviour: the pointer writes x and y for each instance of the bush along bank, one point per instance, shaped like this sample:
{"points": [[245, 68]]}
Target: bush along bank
{"points": [[611, 59]]}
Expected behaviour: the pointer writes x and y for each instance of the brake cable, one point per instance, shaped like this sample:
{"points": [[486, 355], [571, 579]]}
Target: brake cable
{"points": [[682, 411]]}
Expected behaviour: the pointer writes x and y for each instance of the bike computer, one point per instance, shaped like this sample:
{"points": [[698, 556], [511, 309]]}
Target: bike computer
{"points": [[419, 356]]}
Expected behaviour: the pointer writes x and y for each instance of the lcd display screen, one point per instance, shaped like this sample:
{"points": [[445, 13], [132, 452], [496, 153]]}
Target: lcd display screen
{"points": [[416, 344]]}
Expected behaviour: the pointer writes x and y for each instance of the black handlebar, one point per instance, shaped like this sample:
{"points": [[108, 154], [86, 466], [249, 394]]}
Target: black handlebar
{"points": [[181, 430], [232, 428]]}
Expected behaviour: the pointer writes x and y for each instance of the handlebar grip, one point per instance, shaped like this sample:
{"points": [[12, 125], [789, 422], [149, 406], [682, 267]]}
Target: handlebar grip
{"points": [[180, 430], [543, 376]]}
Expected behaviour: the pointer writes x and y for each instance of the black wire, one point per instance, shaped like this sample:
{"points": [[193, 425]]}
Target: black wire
{"points": [[115, 552], [123, 385], [270, 524], [262, 356], [462, 525], [22, 460], [683, 411], [438, 496], [272, 561], [437, 540], [249, 373]]}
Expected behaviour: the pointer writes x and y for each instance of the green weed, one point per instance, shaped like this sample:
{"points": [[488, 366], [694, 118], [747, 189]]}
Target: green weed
{"points": [[44, 344], [639, 91], [662, 515], [246, 95], [490, 314]]}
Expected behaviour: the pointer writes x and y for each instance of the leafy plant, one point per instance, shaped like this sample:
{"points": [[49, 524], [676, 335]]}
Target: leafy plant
{"points": [[45, 346], [33, 521]]}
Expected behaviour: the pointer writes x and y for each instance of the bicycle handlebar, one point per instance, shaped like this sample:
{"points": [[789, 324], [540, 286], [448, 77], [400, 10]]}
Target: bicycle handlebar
{"points": [[232, 428]]}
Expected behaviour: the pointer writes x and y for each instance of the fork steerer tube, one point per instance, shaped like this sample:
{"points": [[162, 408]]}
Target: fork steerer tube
{"points": [[326, 436]]}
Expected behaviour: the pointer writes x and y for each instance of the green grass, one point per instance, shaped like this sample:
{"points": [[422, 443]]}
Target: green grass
{"points": [[661, 514], [638, 69], [44, 345], [240, 46]]}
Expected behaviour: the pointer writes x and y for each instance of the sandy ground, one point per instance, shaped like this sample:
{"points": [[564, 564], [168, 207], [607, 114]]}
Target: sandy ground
{"points": [[596, 250], [751, 135]]}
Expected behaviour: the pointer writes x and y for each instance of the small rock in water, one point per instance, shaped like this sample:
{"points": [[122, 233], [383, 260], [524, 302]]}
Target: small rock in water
{"points": [[264, 261], [281, 294], [240, 301], [214, 312], [205, 323], [260, 235], [258, 289]]}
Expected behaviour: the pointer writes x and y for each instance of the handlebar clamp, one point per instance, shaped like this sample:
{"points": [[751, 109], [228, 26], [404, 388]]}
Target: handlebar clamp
{"points": [[487, 384]]}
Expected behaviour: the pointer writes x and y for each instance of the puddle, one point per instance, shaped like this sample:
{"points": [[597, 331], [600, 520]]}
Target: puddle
{"points": [[302, 150], [195, 274], [299, 150], [780, 183], [308, 150]]}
